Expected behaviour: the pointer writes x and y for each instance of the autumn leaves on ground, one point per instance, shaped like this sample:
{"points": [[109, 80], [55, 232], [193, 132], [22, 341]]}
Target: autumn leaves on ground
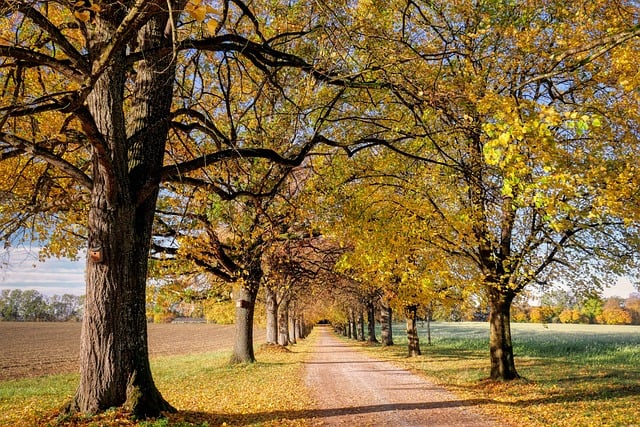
{"points": [[576, 375]]}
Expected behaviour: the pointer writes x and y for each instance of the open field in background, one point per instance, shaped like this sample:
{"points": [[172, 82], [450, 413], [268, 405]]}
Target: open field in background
{"points": [[31, 349], [573, 375]]}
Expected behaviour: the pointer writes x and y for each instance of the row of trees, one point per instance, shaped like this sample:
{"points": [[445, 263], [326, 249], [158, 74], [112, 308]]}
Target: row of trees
{"points": [[32, 306], [560, 307], [407, 152]]}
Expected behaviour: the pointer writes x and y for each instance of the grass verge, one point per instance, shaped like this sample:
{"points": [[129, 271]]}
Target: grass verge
{"points": [[573, 375], [205, 389]]}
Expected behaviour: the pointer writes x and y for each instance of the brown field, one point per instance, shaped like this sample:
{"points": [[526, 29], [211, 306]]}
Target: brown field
{"points": [[33, 349]]}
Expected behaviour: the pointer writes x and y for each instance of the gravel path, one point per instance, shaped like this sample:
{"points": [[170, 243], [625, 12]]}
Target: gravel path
{"points": [[353, 389]]}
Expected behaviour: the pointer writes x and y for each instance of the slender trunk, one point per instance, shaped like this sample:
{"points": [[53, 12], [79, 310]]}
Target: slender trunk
{"points": [[429, 325], [272, 315], [361, 325], [353, 334], [300, 328], [245, 307], [283, 322], [371, 321], [386, 321], [412, 331], [292, 322], [501, 349]]}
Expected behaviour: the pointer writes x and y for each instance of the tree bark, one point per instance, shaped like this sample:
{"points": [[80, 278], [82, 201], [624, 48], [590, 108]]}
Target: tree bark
{"points": [[412, 331], [272, 315], [114, 364], [429, 324], [501, 348], [371, 322], [283, 322], [386, 321], [361, 325], [245, 297], [292, 322]]}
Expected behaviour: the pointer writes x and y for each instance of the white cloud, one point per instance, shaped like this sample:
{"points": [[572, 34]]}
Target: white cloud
{"points": [[21, 269], [622, 289]]}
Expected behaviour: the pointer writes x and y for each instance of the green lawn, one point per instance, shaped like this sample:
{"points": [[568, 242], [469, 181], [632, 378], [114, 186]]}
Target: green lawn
{"points": [[573, 375]]}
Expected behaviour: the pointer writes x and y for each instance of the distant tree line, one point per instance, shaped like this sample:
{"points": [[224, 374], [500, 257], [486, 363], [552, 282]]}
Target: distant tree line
{"points": [[561, 307], [32, 306]]}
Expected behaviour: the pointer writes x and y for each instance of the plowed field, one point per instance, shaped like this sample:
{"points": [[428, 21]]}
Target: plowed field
{"points": [[34, 349]]}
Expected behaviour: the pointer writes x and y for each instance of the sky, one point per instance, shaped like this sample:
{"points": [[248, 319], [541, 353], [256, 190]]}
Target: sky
{"points": [[20, 269]]}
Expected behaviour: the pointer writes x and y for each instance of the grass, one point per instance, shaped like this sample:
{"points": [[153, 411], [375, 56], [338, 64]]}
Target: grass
{"points": [[573, 375], [203, 387]]}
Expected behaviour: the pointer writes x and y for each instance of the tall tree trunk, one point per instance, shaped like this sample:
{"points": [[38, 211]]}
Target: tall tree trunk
{"points": [[386, 321], [300, 328], [114, 364], [371, 322], [361, 328], [292, 322], [283, 322], [501, 349], [245, 307], [429, 324], [354, 325], [412, 331], [272, 315]]}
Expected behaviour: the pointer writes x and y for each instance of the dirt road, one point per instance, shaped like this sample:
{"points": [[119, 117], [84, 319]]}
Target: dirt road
{"points": [[350, 389]]}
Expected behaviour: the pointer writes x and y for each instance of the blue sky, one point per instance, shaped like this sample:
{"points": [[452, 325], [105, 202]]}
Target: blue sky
{"points": [[20, 269]]}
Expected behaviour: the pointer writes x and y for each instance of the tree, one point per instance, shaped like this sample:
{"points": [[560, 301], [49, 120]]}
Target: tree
{"points": [[93, 120], [508, 106]]}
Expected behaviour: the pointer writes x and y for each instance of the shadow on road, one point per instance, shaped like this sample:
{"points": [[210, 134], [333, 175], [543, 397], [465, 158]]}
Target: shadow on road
{"points": [[241, 419]]}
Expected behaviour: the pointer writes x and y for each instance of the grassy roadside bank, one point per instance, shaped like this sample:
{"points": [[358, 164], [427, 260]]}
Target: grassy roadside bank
{"points": [[203, 387], [573, 375]]}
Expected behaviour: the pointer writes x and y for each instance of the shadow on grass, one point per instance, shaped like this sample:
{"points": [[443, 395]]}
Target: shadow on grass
{"points": [[261, 417]]}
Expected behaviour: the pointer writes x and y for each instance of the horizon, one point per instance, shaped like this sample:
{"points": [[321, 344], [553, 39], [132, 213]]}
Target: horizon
{"points": [[21, 269]]}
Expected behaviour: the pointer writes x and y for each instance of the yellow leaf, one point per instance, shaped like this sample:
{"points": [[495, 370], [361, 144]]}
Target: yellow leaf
{"points": [[198, 13], [212, 27], [83, 15]]}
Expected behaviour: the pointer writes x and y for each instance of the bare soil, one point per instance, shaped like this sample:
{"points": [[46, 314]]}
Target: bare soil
{"points": [[350, 388], [34, 349]]}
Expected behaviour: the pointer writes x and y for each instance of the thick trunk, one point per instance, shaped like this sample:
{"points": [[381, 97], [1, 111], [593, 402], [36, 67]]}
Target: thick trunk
{"points": [[245, 297], [283, 323], [501, 349], [114, 365], [272, 315], [371, 322], [412, 331], [386, 321]]}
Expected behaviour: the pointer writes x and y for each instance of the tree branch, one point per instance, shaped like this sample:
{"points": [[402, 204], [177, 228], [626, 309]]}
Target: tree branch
{"points": [[46, 155]]}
